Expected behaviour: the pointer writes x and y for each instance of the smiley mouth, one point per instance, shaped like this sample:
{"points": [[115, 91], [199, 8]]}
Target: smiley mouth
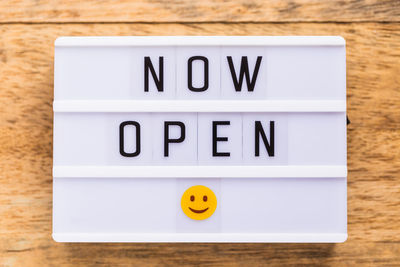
{"points": [[198, 211]]}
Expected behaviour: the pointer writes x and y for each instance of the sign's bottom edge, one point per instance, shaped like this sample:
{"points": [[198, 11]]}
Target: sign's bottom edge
{"points": [[200, 238]]}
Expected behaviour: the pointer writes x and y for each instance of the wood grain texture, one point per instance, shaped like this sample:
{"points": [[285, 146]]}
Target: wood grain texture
{"points": [[199, 11], [26, 94]]}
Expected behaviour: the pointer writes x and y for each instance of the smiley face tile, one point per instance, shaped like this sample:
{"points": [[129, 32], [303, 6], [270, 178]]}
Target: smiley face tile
{"points": [[199, 202], [199, 219]]}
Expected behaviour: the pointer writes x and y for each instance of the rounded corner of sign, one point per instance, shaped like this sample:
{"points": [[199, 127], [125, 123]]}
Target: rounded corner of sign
{"points": [[56, 238], [59, 41], [343, 238], [340, 39]]}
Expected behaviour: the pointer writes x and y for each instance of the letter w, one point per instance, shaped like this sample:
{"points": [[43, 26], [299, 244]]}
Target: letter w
{"points": [[244, 70]]}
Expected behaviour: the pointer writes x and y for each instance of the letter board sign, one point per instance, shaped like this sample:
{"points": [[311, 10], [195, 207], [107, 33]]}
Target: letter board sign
{"points": [[200, 139]]}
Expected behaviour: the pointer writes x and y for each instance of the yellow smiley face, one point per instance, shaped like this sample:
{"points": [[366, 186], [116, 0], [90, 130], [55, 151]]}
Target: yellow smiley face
{"points": [[199, 202]]}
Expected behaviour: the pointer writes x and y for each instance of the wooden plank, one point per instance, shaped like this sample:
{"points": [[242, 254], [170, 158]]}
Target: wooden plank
{"points": [[42, 11], [26, 90]]}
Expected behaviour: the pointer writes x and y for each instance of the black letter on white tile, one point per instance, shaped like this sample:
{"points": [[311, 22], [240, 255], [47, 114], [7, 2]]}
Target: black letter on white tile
{"points": [[167, 140], [158, 81], [190, 74], [122, 138], [244, 71], [216, 139], [270, 146]]}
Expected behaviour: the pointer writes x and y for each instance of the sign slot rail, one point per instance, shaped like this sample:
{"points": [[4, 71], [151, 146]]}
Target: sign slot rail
{"points": [[226, 41], [317, 171], [199, 106]]}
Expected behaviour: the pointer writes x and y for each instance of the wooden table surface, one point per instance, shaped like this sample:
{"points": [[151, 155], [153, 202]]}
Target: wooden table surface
{"points": [[28, 29]]}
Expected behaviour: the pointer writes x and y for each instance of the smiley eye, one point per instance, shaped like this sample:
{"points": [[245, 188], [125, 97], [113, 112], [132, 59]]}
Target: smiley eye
{"points": [[191, 198], [205, 198]]}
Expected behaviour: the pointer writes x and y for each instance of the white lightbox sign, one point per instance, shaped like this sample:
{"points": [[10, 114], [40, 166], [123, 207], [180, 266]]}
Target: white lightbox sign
{"points": [[200, 139]]}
